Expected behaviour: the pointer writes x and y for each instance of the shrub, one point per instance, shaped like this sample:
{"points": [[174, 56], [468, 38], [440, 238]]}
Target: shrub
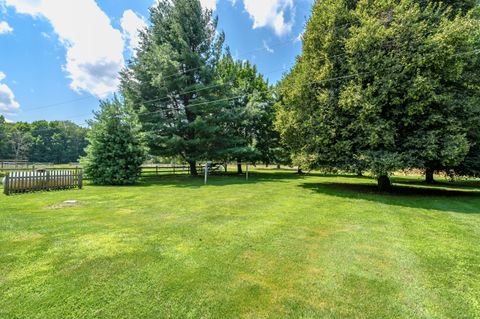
{"points": [[116, 149]]}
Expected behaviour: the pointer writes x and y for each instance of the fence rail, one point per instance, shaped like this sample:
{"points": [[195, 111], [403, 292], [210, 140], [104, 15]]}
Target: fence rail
{"points": [[149, 171], [168, 169], [5, 164], [42, 180]]}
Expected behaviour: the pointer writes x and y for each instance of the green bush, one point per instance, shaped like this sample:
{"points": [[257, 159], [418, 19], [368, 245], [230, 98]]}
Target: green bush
{"points": [[116, 149]]}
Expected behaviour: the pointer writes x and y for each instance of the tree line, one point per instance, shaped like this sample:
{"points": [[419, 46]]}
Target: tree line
{"points": [[42, 141]]}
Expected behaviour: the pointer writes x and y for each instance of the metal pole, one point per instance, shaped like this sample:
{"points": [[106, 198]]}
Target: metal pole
{"points": [[206, 173]]}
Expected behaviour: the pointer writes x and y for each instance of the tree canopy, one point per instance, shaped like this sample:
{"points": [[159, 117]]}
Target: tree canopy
{"points": [[42, 141], [382, 86], [251, 112]]}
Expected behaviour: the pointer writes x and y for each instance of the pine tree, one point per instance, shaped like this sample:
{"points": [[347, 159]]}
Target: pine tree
{"points": [[171, 82], [116, 151]]}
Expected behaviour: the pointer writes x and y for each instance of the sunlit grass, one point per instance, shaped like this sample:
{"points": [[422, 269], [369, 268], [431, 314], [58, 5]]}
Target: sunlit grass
{"points": [[279, 245]]}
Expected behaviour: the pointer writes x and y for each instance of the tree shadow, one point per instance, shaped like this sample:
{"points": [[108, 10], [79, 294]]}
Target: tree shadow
{"points": [[444, 197], [440, 184], [217, 180]]}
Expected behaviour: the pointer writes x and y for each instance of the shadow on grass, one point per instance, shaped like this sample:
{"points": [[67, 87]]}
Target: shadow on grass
{"points": [[219, 179], [445, 197], [438, 184]]}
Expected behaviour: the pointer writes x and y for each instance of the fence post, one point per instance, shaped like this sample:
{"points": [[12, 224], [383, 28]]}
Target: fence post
{"points": [[47, 173], [6, 185], [80, 179]]}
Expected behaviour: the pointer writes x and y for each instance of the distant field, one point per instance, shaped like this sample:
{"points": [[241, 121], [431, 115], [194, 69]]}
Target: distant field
{"points": [[277, 246]]}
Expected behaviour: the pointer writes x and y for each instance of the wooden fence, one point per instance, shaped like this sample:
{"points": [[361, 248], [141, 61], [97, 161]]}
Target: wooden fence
{"points": [[42, 180], [168, 169], [5, 164], [157, 170]]}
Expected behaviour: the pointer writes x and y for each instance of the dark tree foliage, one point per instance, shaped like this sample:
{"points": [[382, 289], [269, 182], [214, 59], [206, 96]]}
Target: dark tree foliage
{"points": [[251, 113], [42, 141], [3, 137], [57, 142]]}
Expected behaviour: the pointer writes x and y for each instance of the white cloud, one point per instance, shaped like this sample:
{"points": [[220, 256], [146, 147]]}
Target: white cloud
{"points": [[267, 48], [299, 37], [271, 13], [8, 104], [209, 4], [5, 28], [131, 26], [94, 47]]}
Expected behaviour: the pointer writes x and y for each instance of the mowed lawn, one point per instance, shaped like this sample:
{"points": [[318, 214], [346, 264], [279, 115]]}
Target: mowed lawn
{"points": [[277, 246]]}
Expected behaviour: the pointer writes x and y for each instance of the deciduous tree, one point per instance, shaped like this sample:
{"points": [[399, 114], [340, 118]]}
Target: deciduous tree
{"points": [[385, 84]]}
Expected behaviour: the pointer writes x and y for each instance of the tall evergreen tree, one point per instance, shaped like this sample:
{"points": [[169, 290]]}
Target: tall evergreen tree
{"points": [[116, 151], [386, 85], [171, 81]]}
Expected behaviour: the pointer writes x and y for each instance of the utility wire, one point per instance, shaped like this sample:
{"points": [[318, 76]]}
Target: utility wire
{"points": [[348, 76], [183, 72], [166, 76], [476, 51], [291, 40]]}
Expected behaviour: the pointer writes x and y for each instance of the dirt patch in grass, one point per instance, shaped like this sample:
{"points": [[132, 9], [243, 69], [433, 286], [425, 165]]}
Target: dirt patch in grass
{"points": [[66, 204]]}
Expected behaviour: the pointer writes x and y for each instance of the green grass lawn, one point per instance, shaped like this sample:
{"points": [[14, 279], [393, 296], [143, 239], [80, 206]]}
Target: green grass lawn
{"points": [[277, 246]]}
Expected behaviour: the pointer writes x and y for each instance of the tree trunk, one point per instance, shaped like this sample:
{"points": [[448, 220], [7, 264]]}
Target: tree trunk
{"points": [[278, 166], [299, 171], [239, 168], [193, 168], [384, 183], [226, 167], [429, 176]]}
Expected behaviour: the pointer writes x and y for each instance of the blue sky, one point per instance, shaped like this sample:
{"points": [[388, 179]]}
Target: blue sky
{"points": [[59, 57]]}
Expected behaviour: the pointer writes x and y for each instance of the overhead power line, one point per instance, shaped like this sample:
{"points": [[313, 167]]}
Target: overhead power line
{"points": [[348, 76], [192, 69], [55, 104]]}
